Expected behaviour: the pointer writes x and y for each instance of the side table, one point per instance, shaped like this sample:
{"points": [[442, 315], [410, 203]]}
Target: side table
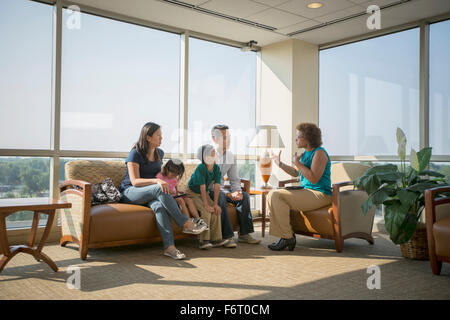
{"points": [[38, 205], [263, 193]]}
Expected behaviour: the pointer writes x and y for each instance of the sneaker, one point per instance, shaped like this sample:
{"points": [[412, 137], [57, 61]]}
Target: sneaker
{"points": [[218, 243], [248, 239], [200, 221], [229, 243], [205, 245], [196, 230], [177, 254]]}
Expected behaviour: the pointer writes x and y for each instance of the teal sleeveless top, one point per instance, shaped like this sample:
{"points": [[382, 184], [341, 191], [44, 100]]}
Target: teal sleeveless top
{"points": [[324, 184]]}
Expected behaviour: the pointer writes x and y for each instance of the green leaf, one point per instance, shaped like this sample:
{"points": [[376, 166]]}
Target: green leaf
{"points": [[375, 198], [370, 184], [394, 215], [406, 230], [422, 186], [390, 202], [407, 198], [380, 169], [389, 176], [401, 140], [431, 173], [399, 222], [424, 157], [414, 160]]}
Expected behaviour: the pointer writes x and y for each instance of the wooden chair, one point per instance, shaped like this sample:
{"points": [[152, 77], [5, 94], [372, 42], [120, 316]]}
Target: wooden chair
{"points": [[437, 218], [342, 219]]}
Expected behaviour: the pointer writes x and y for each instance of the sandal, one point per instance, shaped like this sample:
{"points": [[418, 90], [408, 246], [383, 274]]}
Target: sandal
{"points": [[176, 254]]}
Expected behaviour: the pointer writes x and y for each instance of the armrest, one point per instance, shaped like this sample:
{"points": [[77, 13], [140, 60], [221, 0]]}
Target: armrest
{"points": [[337, 186], [68, 184], [75, 221], [282, 183]]}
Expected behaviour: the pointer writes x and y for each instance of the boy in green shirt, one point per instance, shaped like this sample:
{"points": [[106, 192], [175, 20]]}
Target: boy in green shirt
{"points": [[206, 173]]}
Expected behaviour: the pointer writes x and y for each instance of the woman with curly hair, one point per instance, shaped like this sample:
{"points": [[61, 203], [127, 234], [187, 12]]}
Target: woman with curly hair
{"points": [[313, 167]]}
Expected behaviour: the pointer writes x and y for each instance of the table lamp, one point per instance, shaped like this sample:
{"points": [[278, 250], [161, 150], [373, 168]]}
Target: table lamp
{"points": [[266, 138]]}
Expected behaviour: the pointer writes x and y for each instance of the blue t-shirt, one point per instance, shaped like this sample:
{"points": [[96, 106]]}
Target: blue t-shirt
{"points": [[147, 169]]}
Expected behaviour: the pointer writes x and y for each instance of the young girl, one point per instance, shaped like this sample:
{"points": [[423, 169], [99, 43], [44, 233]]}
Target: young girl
{"points": [[206, 173], [172, 172]]}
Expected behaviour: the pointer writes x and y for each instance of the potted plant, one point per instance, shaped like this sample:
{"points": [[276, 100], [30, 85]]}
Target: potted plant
{"points": [[401, 190]]}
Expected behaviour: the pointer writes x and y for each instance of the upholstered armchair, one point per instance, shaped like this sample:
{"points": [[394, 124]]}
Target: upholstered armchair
{"points": [[342, 219], [437, 217]]}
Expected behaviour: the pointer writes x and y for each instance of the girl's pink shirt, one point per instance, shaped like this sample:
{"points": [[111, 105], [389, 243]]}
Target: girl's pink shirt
{"points": [[171, 182]]}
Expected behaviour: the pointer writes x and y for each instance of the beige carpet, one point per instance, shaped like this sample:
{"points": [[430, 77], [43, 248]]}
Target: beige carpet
{"points": [[312, 271]]}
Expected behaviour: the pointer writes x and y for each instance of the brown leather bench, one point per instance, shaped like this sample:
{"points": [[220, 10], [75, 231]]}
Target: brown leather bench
{"points": [[115, 224]]}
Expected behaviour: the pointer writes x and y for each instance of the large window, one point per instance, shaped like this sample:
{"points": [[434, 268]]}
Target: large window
{"points": [[222, 90], [440, 88], [116, 77], [366, 90], [25, 74]]}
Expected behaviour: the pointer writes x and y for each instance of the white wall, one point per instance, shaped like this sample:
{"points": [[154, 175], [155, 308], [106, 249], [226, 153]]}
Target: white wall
{"points": [[289, 72]]}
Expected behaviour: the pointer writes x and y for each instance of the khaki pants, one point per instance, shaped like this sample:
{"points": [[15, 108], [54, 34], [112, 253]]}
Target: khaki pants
{"points": [[212, 220], [282, 201]]}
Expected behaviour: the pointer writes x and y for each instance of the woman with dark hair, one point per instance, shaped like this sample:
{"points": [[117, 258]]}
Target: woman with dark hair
{"points": [[314, 168], [140, 186]]}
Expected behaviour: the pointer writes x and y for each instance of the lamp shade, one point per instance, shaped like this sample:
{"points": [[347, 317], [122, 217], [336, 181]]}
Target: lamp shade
{"points": [[266, 137]]}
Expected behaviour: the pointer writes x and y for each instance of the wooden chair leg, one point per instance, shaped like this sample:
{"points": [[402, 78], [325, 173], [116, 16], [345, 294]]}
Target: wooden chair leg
{"points": [[436, 265], [339, 242], [65, 240], [83, 251], [367, 237]]}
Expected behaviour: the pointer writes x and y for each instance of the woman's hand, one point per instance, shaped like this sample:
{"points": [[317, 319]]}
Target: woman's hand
{"points": [[296, 159], [217, 209], [275, 158], [164, 186]]}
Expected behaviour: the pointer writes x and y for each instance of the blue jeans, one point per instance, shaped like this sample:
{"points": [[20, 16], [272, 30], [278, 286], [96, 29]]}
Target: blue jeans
{"points": [[243, 213], [163, 205]]}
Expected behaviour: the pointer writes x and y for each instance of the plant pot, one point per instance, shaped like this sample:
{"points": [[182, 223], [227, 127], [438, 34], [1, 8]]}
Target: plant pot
{"points": [[417, 247]]}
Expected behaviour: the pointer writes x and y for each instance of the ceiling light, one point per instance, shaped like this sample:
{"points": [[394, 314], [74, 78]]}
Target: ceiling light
{"points": [[314, 5]]}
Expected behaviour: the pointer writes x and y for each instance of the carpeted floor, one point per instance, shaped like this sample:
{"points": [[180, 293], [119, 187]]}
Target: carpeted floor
{"points": [[312, 271]]}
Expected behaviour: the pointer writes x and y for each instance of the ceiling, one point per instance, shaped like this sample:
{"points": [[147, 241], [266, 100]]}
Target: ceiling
{"points": [[270, 21]]}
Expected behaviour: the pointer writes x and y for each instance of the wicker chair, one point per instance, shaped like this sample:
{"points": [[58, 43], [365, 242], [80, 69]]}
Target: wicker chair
{"points": [[342, 219], [114, 224], [437, 213]]}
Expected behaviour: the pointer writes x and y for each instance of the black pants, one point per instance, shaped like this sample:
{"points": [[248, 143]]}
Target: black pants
{"points": [[243, 213]]}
